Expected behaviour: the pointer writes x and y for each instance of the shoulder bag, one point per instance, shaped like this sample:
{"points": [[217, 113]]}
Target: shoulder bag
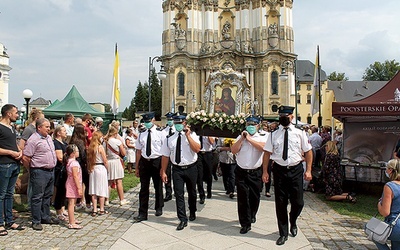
{"points": [[378, 230], [117, 153]]}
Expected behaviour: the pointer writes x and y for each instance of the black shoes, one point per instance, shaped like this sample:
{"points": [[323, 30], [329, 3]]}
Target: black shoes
{"points": [[158, 212], [181, 225], [253, 220], [168, 198], [209, 195], [245, 229], [293, 230], [281, 240], [139, 218], [51, 221], [37, 227], [202, 200], [192, 216]]}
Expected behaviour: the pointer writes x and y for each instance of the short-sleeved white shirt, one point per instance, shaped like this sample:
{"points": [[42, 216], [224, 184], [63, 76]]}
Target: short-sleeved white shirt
{"points": [[248, 156], [188, 156]]}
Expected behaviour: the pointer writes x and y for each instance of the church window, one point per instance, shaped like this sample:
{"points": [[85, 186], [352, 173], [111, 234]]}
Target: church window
{"points": [[181, 84], [274, 82]]}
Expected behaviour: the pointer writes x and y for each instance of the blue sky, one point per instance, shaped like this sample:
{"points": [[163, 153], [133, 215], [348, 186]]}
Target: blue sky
{"points": [[54, 44]]}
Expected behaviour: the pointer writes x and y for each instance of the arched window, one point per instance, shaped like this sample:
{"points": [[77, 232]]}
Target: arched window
{"points": [[274, 82], [181, 84]]}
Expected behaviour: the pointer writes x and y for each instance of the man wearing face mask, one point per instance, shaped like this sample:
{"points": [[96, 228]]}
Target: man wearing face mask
{"points": [[248, 149], [181, 149], [285, 148], [148, 165], [169, 130]]}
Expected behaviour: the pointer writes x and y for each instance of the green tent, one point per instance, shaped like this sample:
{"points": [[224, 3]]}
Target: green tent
{"points": [[75, 104]]}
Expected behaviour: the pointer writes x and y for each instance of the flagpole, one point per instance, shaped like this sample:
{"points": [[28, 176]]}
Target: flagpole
{"points": [[319, 91]]}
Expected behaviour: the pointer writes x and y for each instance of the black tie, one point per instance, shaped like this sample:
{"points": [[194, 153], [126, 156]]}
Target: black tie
{"points": [[148, 144], [170, 130], [201, 142], [178, 150], [285, 145]]}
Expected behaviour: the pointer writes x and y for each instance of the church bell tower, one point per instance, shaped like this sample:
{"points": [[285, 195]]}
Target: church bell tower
{"points": [[213, 47]]}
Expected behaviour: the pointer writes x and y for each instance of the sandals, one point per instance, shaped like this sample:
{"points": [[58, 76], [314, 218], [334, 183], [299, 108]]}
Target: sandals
{"points": [[3, 232], [103, 212], [74, 226], [93, 214], [78, 222], [352, 199], [62, 217], [16, 227]]}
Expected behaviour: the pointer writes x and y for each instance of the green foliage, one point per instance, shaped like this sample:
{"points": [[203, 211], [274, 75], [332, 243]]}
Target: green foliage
{"points": [[381, 71], [107, 107], [156, 95], [130, 181], [337, 77], [140, 101]]}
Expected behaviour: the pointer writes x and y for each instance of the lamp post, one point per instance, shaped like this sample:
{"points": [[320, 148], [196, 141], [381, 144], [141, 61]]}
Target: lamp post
{"points": [[162, 75], [27, 94], [284, 77]]}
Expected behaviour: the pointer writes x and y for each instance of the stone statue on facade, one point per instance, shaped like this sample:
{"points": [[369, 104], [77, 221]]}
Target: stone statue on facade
{"points": [[226, 34]]}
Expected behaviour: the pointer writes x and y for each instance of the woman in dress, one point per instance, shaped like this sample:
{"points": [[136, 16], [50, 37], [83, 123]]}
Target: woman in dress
{"points": [[332, 174], [115, 150], [97, 167], [130, 152], [79, 139], [60, 173], [389, 204]]}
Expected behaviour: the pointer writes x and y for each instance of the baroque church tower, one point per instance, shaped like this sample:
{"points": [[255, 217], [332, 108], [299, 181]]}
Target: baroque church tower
{"points": [[4, 75], [213, 49]]}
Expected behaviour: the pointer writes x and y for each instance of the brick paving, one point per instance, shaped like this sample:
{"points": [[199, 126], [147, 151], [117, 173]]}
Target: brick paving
{"points": [[322, 227]]}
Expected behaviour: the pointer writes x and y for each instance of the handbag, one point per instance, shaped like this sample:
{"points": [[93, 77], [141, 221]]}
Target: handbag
{"points": [[117, 153], [378, 230]]}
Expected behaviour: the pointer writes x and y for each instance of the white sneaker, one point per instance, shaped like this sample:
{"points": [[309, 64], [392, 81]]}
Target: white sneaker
{"points": [[88, 209], [79, 207], [124, 202]]}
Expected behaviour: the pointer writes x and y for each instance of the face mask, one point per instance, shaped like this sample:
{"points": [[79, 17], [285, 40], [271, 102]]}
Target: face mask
{"points": [[170, 123], [284, 120], [148, 125], [179, 127], [251, 129], [387, 174]]}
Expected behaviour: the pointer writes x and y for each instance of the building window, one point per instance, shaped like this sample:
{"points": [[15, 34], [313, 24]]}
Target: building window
{"points": [[308, 99], [181, 84], [309, 86], [298, 98], [274, 82], [298, 86], [299, 117]]}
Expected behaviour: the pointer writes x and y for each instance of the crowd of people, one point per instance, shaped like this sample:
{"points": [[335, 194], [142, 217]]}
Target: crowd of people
{"points": [[74, 166]]}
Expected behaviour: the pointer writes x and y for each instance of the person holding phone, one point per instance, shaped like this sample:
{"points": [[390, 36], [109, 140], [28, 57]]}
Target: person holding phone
{"points": [[248, 149]]}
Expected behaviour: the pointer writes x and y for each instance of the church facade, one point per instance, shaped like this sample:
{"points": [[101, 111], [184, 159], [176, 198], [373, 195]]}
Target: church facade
{"points": [[227, 55], [4, 75]]}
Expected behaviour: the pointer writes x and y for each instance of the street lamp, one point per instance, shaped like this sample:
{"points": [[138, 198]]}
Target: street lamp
{"points": [[284, 77], [162, 75], [27, 94]]}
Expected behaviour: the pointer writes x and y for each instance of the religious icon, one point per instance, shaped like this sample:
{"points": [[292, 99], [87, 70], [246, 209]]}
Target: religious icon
{"points": [[226, 103]]}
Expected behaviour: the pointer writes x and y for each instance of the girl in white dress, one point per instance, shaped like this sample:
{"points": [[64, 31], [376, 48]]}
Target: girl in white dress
{"points": [[131, 149], [115, 150], [97, 167]]}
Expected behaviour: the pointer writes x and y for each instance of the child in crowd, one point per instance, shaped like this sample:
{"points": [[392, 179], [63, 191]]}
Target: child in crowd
{"points": [[73, 184], [97, 167]]}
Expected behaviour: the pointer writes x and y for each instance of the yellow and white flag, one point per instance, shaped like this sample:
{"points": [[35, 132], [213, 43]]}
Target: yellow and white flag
{"points": [[115, 97], [315, 91]]}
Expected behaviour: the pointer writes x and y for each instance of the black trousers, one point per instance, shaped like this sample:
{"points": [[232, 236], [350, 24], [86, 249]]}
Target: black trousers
{"points": [[268, 184], [288, 185], [228, 176], [150, 169], [205, 159], [168, 186], [181, 177], [249, 185]]}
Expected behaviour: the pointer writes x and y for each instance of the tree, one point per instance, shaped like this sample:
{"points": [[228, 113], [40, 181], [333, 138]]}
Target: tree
{"points": [[381, 71], [156, 94], [337, 77], [141, 100]]}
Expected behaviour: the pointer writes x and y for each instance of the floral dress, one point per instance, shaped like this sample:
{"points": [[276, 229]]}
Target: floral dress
{"points": [[332, 174]]}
